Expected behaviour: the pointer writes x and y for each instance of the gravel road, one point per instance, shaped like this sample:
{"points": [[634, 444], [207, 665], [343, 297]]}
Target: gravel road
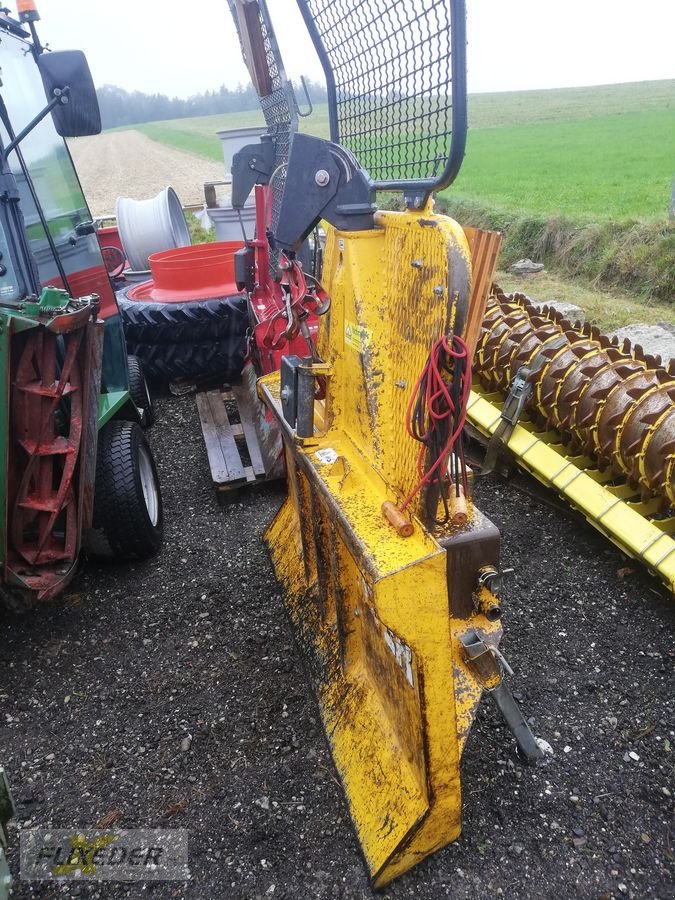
{"points": [[171, 694], [129, 164]]}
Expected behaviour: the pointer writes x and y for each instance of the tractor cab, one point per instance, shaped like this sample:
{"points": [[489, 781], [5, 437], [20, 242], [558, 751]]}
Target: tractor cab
{"points": [[52, 242], [78, 469]]}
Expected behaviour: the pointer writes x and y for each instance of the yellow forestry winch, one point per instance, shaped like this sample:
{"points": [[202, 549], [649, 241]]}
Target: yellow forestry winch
{"points": [[402, 632], [391, 575]]}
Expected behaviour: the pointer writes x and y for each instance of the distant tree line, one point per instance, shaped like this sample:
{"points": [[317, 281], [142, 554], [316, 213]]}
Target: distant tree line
{"points": [[121, 107]]}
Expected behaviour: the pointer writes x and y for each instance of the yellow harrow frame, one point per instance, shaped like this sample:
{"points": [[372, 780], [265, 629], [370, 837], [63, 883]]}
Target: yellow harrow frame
{"points": [[615, 510]]}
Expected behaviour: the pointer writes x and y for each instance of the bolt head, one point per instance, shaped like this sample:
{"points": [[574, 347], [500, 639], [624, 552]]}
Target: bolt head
{"points": [[322, 178]]}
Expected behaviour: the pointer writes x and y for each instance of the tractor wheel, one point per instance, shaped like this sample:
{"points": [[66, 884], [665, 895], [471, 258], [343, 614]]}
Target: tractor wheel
{"points": [[152, 322], [221, 356], [140, 392], [128, 520]]}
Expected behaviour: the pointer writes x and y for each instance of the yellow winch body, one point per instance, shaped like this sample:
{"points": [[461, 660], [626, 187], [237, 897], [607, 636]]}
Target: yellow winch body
{"points": [[379, 617]]}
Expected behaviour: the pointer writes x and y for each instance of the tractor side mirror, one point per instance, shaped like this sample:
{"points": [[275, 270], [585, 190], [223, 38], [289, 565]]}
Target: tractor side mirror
{"points": [[66, 74]]}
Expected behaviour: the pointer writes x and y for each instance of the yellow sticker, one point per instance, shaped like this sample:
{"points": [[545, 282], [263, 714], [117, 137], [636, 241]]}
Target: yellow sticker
{"points": [[356, 336]]}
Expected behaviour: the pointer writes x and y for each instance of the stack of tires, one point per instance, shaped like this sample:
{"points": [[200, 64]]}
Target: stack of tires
{"points": [[188, 337], [189, 320]]}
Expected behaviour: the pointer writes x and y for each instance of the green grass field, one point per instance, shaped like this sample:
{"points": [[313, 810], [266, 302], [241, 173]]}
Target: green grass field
{"points": [[600, 153], [579, 178], [616, 167]]}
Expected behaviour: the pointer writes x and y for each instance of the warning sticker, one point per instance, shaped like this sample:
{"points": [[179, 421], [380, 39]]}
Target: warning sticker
{"points": [[356, 336], [326, 457]]}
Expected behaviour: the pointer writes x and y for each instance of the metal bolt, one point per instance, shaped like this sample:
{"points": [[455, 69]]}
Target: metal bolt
{"points": [[402, 383], [322, 178], [416, 263], [439, 290]]}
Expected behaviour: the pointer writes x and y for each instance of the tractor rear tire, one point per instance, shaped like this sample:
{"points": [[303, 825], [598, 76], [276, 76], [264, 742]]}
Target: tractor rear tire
{"points": [[140, 392], [152, 322], [128, 517], [181, 360]]}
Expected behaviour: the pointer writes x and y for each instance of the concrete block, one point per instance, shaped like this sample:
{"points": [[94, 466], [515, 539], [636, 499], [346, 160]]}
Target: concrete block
{"points": [[569, 310], [658, 340]]}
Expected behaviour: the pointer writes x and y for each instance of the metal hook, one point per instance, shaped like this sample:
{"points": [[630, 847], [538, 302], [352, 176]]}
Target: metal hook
{"points": [[309, 112]]}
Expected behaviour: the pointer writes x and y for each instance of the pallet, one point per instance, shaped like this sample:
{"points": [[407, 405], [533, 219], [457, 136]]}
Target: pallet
{"points": [[228, 420]]}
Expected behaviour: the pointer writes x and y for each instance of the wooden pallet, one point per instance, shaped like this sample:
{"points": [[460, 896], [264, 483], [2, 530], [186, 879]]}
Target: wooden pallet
{"points": [[228, 424]]}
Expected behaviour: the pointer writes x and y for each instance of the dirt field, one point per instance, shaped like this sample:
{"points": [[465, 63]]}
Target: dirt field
{"points": [[129, 164], [172, 692]]}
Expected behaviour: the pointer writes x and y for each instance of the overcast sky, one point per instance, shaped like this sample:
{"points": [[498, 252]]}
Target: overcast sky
{"points": [[185, 48]]}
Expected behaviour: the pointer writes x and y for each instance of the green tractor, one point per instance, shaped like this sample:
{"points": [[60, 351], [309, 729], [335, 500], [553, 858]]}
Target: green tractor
{"points": [[78, 469]]}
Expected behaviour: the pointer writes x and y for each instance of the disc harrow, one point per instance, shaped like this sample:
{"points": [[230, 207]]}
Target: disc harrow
{"points": [[607, 401]]}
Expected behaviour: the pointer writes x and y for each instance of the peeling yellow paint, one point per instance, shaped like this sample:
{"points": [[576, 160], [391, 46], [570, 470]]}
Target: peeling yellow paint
{"points": [[371, 610]]}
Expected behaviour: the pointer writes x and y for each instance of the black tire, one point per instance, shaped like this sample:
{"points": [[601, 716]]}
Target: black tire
{"points": [[148, 322], [125, 525], [224, 356], [140, 392]]}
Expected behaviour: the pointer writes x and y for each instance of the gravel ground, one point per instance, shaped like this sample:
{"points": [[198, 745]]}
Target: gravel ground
{"points": [[130, 164], [172, 693]]}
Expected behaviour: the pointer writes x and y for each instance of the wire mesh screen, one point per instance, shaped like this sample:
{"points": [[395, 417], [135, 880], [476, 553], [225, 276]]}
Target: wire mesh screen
{"points": [[392, 68]]}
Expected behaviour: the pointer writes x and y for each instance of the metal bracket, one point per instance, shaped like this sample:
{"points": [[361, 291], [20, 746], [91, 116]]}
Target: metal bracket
{"points": [[519, 394], [244, 269], [323, 181], [289, 388], [490, 664], [251, 165], [516, 401], [514, 405]]}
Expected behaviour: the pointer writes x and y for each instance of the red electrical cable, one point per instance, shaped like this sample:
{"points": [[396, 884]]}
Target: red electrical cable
{"points": [[432, 402]]}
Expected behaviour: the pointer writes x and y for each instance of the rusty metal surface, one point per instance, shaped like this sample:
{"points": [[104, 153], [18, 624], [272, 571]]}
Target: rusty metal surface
{"points": [[611, 402], [395, 287], [55, 375]]}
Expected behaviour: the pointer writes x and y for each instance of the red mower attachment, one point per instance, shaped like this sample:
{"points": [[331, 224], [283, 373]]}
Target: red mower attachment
{"points": [[55, 373]]}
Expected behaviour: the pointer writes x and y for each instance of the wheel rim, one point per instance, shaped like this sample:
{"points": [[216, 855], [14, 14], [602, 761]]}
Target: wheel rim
{"points": [[150, 493]]}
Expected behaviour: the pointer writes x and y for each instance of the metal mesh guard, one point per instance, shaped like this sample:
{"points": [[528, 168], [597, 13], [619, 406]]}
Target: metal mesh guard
{"points": [[391, 62]]}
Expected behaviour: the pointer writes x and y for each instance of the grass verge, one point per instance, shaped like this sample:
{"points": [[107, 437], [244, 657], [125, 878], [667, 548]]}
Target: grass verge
{"points": [[632, 257], [607, 309]]}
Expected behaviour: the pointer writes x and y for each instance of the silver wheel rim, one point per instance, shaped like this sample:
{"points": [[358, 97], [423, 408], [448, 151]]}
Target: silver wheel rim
{"points": [[148, 484]]}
